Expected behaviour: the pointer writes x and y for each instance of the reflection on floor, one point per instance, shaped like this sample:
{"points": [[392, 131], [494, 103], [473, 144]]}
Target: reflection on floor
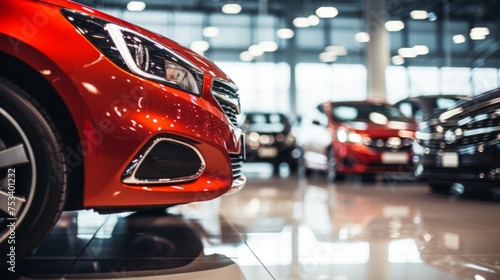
{"points": [[284, 227]]}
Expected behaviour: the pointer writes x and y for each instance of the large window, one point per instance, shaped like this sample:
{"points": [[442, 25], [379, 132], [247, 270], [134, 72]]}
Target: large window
{"points": [[318, 83], [262, 86], [456, 80], [484, 79], [396, 78], [423, 80]]}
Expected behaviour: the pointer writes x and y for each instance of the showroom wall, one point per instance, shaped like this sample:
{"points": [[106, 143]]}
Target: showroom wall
{"points": [[326, 60]]}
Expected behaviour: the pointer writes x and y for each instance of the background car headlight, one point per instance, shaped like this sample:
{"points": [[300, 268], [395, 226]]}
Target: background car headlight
{"points": [[344, 135], [137, 53]]}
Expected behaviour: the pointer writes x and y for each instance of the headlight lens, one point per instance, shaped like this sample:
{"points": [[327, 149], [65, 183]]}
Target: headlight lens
{"points": [[137, 53], [344, 135]]}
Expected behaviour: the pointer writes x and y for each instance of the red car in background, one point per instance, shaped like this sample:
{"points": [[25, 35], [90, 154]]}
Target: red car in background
{"points": [[357, 137], [97, 113]]}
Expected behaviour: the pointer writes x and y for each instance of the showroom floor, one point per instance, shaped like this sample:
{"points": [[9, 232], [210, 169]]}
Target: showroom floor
{"points": [[285, 227]]}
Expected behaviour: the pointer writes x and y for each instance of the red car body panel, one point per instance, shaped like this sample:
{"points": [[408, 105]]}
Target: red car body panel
{"points": [[115, 112], [367, 159]]}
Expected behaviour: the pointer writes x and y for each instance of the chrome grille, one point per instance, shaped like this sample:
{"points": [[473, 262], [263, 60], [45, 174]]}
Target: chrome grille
{"points": [[383, 144], [472, 130], [236, 165], [228, 98]]}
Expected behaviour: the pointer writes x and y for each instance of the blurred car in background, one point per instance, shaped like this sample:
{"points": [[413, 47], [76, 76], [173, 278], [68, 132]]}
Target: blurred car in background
{"points": [[357, 137], [461, 145], [421, 108], [269, 139]]}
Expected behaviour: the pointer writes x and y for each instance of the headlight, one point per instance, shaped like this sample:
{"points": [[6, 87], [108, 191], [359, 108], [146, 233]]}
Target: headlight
{"points": [[344, 135], [137, 53]]}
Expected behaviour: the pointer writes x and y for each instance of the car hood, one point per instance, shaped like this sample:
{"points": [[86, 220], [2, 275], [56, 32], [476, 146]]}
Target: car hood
{"points": [[392, 128], [201, 62]]}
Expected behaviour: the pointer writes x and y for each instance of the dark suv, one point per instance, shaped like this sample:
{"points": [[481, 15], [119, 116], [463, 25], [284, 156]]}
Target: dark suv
{"points": [[461, 145]]}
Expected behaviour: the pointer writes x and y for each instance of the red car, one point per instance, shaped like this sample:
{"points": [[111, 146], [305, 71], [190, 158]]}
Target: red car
{"points": [[97, 113], [357, 137]]}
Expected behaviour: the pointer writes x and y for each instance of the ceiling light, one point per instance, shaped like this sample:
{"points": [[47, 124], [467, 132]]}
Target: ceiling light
{"points": [[327, 57], [231, 9], [477, 36], [255, 50], [459, 39], [285, 33], [394, 25], [199, 46], [211, 31], [246, 56], [268, 46], [327, 12], [398, 60], [407, 52], [301, 22], [480, 31], [421, 49], [362, 37], [313, 20], [337, 50], [419, 14], [136, 6]]}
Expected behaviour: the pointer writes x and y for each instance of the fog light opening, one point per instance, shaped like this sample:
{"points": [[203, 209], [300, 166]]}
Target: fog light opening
{"points": [[165, 160]]}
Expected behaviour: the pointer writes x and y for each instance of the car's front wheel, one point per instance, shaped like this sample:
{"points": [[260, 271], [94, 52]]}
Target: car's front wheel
{"points": [[440, 187], [32, 173]]}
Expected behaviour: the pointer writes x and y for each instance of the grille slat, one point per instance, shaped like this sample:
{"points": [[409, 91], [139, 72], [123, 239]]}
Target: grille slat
{"points": [[484, 131], [237, 165], [228, 99], [230, 112], [382, 145]]}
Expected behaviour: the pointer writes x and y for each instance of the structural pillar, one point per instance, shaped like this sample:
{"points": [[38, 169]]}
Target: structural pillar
{"points": [[378, 48]]}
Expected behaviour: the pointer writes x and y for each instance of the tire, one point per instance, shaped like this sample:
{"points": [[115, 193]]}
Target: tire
{"points": [[440, 187], [369, 178], [32, 169]]}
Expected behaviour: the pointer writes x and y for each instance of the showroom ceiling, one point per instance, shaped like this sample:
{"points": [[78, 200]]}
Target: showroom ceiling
{"points": [[445, 22], [457, 9]]}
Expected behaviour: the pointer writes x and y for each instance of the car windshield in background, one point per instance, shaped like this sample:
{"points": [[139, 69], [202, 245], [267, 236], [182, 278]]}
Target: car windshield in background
{"points": [[375, 113], [444, 102], [268, 123]]}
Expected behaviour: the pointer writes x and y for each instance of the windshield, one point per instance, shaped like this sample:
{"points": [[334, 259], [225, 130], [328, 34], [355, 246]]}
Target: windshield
{"points": [[266, 122], [375, 113]]}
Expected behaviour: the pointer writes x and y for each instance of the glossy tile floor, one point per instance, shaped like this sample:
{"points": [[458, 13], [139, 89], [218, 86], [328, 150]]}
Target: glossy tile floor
{"points": [[285, 227]]}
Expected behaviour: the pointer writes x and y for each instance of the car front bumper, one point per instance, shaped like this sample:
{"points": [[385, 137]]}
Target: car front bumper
{"points": [[125, 114], [362, 159], [467, 166]]}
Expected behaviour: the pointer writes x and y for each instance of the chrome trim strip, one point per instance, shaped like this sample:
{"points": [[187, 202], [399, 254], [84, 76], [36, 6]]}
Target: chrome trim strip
{"points": [[478, 131], [238, 184], [227, 99], [132, 179]]}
